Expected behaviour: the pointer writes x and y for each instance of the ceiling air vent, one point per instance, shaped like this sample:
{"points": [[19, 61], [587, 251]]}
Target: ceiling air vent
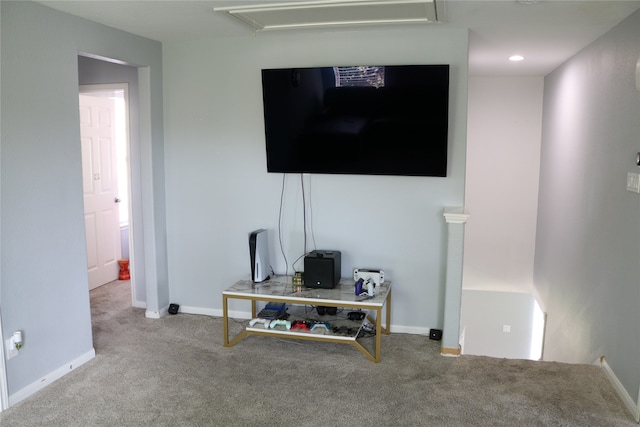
{"points": [[324, 13]]}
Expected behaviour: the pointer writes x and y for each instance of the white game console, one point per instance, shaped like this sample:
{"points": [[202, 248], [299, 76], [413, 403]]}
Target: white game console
{"points": [[259, 255], [376, 276]]}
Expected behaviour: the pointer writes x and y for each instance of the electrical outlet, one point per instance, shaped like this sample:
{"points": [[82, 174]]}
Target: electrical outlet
{"points": [[10, 348]]}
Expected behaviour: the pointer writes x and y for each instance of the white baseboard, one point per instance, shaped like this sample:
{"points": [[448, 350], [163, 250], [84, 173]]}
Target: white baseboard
{"points": [[617, 385], [413, 330], [214, 312], [151, 314], [50, 377]]}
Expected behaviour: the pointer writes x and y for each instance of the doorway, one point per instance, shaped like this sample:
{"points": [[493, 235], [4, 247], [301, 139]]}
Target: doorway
{"points": [[104, 123]]}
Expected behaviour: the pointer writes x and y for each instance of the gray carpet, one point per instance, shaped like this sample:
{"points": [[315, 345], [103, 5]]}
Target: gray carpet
{"points": [[175, 372]]}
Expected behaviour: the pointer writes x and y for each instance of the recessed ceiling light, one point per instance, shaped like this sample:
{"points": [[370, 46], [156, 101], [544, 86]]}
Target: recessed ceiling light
{"points": [[516, 58]]}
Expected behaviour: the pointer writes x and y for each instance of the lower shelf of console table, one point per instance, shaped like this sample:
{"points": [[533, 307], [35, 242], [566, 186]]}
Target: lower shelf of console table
{"points": [[279, 289]]}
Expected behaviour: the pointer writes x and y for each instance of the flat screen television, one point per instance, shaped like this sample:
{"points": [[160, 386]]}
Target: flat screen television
{"points": [[370, 120]]}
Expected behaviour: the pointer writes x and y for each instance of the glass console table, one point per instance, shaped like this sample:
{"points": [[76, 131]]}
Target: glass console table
{"points": [[280, 289]]}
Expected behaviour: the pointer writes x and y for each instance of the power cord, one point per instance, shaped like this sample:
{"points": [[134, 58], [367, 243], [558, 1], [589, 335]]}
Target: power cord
{"points": [[293, 266], [304, 222], [313, 237], [304, 213], [286, 264]]}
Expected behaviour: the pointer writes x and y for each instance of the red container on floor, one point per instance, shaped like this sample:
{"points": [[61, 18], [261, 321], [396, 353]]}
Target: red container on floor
{"points": [[124, 269]]}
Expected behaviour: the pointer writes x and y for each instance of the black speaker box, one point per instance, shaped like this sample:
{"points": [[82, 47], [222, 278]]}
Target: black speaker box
{"points": [[435, 334], [322, 269]]}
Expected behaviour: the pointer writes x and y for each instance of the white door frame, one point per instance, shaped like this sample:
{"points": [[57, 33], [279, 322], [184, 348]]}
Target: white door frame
{"points": [[110, 88], [4, 389]]}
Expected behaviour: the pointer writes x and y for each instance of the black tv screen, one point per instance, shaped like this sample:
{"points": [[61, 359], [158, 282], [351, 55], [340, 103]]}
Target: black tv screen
{"points": [[370, 120]]}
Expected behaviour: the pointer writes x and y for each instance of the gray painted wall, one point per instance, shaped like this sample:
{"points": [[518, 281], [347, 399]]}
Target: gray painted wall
{"points": [[587, 269], [218, 189], [44, 290]]}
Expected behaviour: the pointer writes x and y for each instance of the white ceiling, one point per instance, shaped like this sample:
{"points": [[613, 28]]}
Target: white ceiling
{"points": [[547, 32]]}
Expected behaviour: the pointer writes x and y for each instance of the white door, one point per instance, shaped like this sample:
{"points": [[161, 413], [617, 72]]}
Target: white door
{"points": [[99, 184]]}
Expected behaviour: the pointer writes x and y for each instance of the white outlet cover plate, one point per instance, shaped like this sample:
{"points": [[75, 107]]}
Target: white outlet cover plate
{"points": [[10, 349]]}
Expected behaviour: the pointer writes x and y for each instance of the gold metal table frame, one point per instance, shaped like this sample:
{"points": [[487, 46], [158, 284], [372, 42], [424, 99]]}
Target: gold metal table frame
{"points": [[279, 289]]}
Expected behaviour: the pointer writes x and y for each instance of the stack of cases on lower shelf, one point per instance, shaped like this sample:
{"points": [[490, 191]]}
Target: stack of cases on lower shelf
{"points": [[273, 310]]}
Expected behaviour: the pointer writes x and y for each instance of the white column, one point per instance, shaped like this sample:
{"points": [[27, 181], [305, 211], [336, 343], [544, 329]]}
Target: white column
{"points": [[456, 218]]}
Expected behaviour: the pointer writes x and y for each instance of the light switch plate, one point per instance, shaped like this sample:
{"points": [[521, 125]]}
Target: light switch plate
{"points": [[633, 182], [638, 74]]}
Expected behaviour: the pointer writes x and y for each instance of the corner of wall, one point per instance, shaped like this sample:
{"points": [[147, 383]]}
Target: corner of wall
{"points": [[632, 407]]}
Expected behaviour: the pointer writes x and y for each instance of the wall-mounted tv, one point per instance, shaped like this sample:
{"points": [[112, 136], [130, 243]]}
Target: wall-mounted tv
{"points": [[370, 120]]}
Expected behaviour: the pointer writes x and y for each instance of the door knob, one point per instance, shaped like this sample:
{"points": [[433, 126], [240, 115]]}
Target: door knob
{"points": [[117, 200]]}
